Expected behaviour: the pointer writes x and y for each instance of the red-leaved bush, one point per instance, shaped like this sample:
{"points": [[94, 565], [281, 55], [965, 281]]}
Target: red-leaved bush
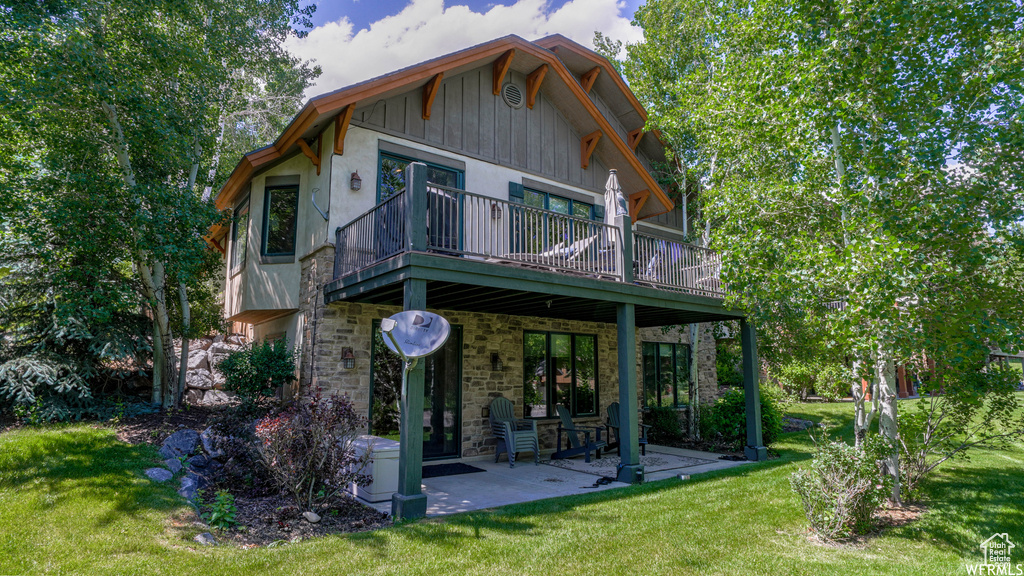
{"points": [[308, 449]]}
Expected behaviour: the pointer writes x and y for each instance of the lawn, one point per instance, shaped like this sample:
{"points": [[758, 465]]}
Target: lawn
{"points": [[73, 500]]}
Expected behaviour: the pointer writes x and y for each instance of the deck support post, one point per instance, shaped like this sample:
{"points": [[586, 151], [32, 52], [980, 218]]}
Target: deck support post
{"points": [[416, 210], [755, 449], [630, 470], [410, 502]]}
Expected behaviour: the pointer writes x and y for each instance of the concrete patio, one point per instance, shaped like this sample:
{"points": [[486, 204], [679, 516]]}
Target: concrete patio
{"points": [[499, 485]]}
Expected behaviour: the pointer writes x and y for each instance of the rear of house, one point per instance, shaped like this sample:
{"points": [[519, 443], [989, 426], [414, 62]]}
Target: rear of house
{"points": [[509, 187]]}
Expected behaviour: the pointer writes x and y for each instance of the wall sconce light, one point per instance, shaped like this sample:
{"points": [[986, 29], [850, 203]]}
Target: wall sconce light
{"points": [[496, 364], [356, 182], [495, 211], [348, 359]]}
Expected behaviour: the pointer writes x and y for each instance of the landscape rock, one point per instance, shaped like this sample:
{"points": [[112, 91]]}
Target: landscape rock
{"points": [[236, 339], [217, 398], [198, 359], [197, 461], [206, 539], [218, 380], [311, 517], [188, 488], [212, 443], [199, 379], [181, 443], [159, 474], [194, 397], [173, 464], [218, 339], [199, 480], [790, 424]]}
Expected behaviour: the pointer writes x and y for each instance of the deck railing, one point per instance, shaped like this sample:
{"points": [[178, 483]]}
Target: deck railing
{"points": [[448, 221], [677, 266], [470, 225], [371, 237]]}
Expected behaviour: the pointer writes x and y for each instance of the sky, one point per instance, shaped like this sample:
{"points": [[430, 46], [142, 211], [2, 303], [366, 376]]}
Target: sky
{"points": [[355, 40]]}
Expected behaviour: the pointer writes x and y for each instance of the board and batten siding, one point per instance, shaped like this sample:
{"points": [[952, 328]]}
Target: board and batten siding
{"points": [[468, 119]]}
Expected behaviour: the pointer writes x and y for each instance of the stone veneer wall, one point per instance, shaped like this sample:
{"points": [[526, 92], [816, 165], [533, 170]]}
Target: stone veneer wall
{"points": [[329, 329]]}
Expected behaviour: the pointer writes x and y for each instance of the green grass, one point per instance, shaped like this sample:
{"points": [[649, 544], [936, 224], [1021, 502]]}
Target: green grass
{"points": [[73, 500]]}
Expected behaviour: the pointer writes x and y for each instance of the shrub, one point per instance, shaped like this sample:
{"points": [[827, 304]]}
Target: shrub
{"points": [[664, 422], [726, 419], [727, 362], [976, 408], [830, 380], [308, 449], [843, 487], [222, 511], [258, 370]]}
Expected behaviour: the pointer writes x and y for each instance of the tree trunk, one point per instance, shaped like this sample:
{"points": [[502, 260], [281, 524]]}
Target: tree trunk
{"points": [[693, 420], [887, 423], [862, 416], [186, 323]]}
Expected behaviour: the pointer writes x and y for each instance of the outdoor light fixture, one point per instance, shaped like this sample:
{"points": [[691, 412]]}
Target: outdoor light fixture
{"points": [[495, 211], [348, 359], [356, 182], [496, 364]]}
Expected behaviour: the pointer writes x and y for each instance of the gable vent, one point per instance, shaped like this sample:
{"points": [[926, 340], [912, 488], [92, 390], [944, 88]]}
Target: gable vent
{"points": [[512, 95]]}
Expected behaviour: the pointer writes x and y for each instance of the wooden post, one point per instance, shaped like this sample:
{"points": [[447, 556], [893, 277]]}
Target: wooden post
{"points": [[630, 470], [625, 253], [410, 502], [755, 449], [416, 207]]}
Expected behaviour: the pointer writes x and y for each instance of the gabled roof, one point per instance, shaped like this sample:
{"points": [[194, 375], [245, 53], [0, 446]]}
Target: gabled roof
{"points": [[319, 110]]}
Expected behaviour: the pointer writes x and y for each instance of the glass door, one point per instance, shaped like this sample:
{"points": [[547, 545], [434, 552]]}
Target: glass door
{"points": [[442, 395]]}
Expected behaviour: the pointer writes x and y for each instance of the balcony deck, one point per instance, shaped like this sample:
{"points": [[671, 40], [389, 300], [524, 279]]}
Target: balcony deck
{"points": [[485, 254]]}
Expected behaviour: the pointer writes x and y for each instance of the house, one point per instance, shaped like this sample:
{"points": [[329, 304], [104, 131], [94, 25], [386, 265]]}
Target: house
{"points": [[474, 185]]}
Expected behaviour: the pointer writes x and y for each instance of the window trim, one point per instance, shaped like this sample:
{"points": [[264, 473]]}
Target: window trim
{"points": [[551, 384], [283, 257], [236, 268], [677, 402]]}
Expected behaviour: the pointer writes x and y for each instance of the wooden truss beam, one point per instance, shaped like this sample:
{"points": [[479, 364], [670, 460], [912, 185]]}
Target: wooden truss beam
{"points": [[533, 82], [314, 157], [588, 78], [636, 203], [587, 145], [430, 90], [341, 122], [501, 66], [633, 138]]}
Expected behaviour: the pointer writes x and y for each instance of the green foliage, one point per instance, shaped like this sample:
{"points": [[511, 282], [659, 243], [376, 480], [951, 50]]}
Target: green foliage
{"points": [[726, 419], [969, 410], [664, 422], [221, 514], [727, 363], [829, 380], [843, 487], [256, 371]]}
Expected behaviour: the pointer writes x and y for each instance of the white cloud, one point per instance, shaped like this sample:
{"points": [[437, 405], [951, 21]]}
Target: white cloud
{"points": [[426, 29]]}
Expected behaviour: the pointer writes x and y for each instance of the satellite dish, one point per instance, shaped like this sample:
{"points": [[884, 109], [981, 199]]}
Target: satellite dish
{"points": [[414, 333]]}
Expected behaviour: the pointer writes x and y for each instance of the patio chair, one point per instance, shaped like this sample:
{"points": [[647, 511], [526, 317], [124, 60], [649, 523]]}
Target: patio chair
{"points": [[613, 431], [579, 439], [514, 435]]}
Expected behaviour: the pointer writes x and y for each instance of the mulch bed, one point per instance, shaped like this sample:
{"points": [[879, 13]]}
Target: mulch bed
{"points": [[263, 518]]}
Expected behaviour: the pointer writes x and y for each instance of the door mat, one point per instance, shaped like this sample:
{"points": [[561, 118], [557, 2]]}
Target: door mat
{"points": [[455, 469]]}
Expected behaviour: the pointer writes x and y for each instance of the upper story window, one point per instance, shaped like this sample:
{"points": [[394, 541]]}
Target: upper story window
{"points": [[556, 203], [239, 236], [392, 175], [280, 210]]}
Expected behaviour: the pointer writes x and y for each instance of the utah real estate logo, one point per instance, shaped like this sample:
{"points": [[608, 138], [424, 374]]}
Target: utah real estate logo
{"points": [[996, 552]]}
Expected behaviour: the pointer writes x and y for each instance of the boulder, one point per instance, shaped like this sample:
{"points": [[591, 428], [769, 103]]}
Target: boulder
{"points": [[188, 488], [197, 461], [218, 380], [790, 424], [198, 359], [159, 474], [212, 443], [199, 379], [217, 398], [236, 339], [311, 517], [206, 539], [194, 397], [217, 339], [173, 464], [200, 481], [181, 443]]}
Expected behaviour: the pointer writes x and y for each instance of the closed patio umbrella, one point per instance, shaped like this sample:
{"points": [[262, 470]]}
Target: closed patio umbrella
{"points": [[614, 202]]}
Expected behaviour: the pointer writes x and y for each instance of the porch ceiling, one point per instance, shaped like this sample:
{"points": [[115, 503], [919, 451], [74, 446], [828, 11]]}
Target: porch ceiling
{"points": [[473, 286]]}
